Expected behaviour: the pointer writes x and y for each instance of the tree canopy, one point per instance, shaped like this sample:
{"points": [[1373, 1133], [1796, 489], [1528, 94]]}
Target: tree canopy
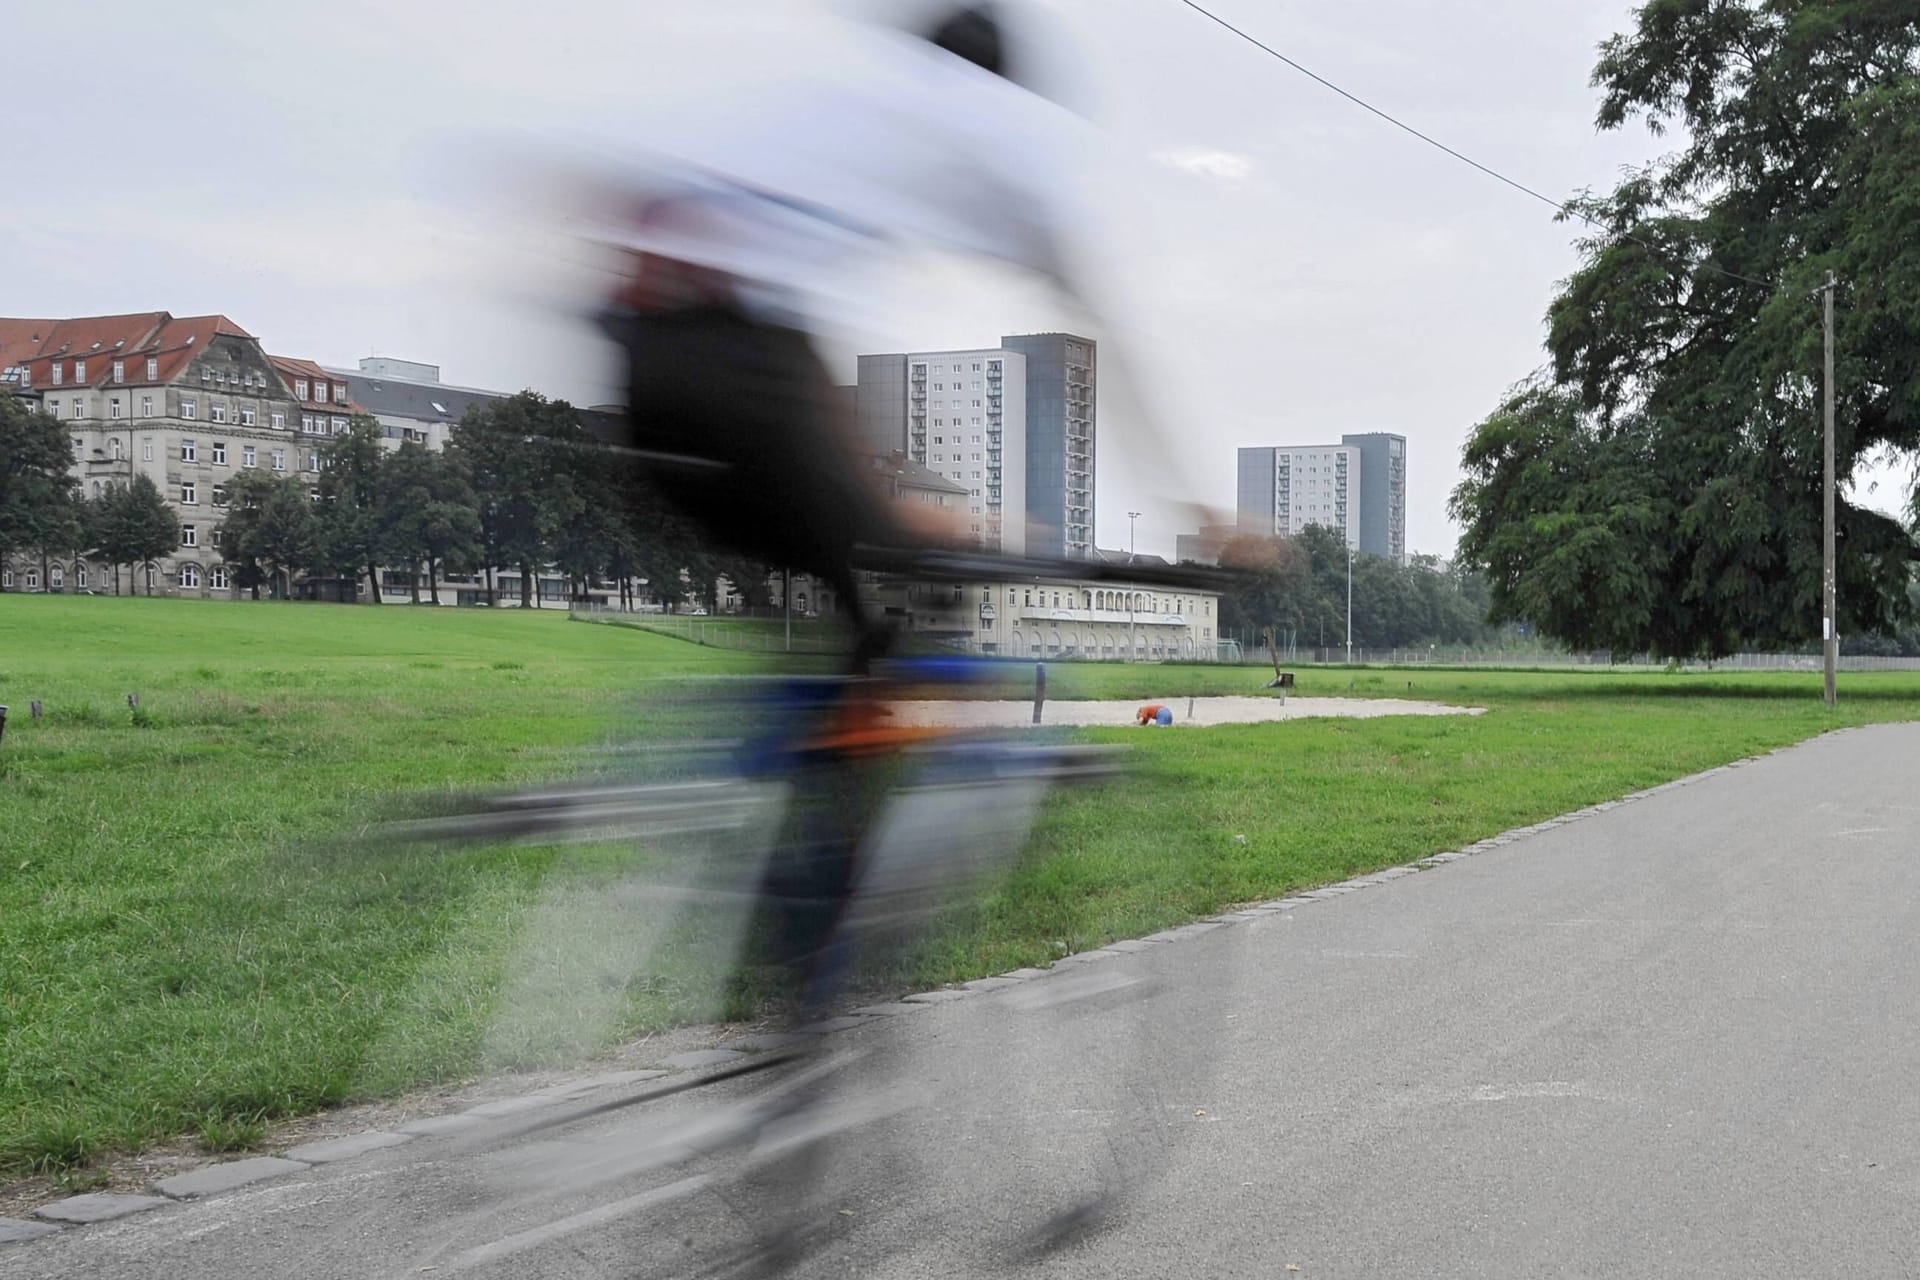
{"points": [[40, 507], [1658, 486]]}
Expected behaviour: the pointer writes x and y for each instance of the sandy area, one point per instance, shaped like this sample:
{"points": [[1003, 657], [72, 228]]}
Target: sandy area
{"points": [[1204, 711]]}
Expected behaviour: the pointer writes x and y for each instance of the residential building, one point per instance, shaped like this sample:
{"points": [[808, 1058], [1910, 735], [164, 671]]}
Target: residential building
{"points": [[1357, 487], [963, 416], [1383, 493], [1014, 425], [187, 402], [1062, 372]]}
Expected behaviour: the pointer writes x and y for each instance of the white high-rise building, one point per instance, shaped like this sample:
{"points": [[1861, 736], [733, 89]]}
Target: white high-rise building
{"points": [[1358, 486], [1283, 490], [963, 416], [1014, 425]]}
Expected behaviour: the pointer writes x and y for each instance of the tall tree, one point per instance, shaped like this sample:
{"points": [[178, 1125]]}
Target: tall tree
{"points": [[348, 518], [132, 525], [39, 498], [270, 531], [427, 514], [1670, 459], [512, 450]]}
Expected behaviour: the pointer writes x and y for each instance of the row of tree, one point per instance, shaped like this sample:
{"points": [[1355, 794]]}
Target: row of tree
{"points": [[1298, 586], [521, 486]]}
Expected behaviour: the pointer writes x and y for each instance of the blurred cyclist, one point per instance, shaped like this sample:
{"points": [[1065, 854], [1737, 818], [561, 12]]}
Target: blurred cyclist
{"points": [[734, 253]]}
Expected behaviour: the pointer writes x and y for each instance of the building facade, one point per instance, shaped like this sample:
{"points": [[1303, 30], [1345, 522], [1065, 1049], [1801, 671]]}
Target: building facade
{"points": [[1383, 493], [189, 403], [1062, 371], [1014, 425], [1357, 488]]}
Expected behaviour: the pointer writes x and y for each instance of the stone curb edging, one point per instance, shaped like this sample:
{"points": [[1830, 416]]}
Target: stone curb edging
{"points": [[212, 1179]]}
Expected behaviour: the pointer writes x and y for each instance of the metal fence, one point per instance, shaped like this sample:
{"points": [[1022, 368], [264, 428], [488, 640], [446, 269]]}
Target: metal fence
{"points": [[748, 635]]}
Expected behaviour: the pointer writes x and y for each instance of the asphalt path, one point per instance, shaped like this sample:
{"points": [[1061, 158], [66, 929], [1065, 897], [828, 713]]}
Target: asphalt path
{"points": [[1678, 1038]]}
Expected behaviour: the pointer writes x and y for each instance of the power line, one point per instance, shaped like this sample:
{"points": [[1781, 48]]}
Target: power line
{"points": [[1431, 141]]}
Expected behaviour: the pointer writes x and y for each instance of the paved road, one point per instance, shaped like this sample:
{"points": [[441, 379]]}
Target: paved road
{"points": [[1675, 1039]]}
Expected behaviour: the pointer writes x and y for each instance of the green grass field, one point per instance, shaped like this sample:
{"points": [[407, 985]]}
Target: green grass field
{"points": [[174, 958]]}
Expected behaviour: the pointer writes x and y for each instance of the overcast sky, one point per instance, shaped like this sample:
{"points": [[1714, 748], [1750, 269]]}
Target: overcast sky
{"points": [[1300, 268]]}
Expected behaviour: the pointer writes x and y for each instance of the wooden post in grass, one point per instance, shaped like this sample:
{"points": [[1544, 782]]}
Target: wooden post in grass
{"points": [[3, 722], [133, 702], [33, 709], [1039, 689]]}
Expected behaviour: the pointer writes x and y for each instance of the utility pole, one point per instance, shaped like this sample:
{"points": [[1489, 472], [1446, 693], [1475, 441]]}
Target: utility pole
{"points": [[1132, 642], [1829, 629]]}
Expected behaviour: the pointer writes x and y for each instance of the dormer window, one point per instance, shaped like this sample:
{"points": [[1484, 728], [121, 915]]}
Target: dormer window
{"points": [[300, 389], [153, 368], [56, 373], [119, 371], [79, 370], [320, 392]]}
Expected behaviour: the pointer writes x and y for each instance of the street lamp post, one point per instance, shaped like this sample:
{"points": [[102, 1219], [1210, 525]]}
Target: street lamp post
{"points": [[1349, 604], [1133, 650]]}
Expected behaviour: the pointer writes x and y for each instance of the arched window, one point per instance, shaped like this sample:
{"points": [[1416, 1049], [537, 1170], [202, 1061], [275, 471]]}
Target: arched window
{"points": [[80, 575], [189, 577], [1018, 642]]}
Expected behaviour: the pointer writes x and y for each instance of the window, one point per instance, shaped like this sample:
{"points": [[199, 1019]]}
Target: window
{"points": [[217, 413], [189, 451], [53, 407], [219, 578], [246, 455], [146, 406], [153, 368], [189, 494], [151, 580], [56, 577], [6, 577], [56, 373], [189, 536], [279, 421], [340, 394], [187, 409], [33, 579], [300, 389], [220, 453], [146, 449], [113, 407], [279, 459], [320, 392], [119, 370], [113, 447], [79, 406], [219, 495], [339, 426], [313, 460], [80, 576], [189, 576], [246, 416], [79, 370]]}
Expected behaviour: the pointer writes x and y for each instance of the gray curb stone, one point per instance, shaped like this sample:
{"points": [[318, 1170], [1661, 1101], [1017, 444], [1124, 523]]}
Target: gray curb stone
{"points": [[934, 997], [610, 1080], [97, 1207], [768, 1040], [701, 1058], [827, 1026], [509, 1106], [347, 1148], [989, 984], [891, 1009], [216, 1178], [427, 1126], [14, 1230]]}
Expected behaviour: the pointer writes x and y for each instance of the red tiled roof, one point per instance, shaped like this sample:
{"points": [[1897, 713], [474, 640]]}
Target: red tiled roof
{"points": [[291, 369], [172, 341]]}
